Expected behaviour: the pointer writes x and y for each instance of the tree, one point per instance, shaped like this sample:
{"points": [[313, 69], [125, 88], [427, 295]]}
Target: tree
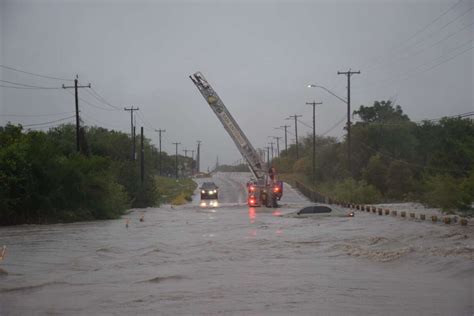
{"points": [[399, 180], [381, 111], [376, 173]]}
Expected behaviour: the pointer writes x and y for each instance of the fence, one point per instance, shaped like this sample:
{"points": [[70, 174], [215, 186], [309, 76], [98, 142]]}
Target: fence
{"points": [[312, 195]]}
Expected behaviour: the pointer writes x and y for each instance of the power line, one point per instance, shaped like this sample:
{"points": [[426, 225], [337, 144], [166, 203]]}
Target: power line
{"points": [[428, 47], [99, 98], [34, 74], [334, 126], [35, 115], [44, 123], [91, 104], [28, 85], [47, 126], [98, 123], [401, 45], [141, 118], [434, 21], [308, 126], [438, 61]]}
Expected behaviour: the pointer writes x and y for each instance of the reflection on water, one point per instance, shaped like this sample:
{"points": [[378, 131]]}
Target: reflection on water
{"points": [[252, 214], [209, 203]]}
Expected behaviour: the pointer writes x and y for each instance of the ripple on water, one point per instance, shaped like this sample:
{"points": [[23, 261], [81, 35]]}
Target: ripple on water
{"points": [[32, 287], [160, 279]]}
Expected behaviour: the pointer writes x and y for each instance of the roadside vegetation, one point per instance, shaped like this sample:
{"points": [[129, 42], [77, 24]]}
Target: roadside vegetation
{"points": [[393, 159], [175, 192], [44, 180]]}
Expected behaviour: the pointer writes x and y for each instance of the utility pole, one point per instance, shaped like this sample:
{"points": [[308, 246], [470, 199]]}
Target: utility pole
{"points": [[176, 160], [142, 157], [296, 133], [131, 109], [286, 142], [286, 139], [76, 95], [159, 158], [192, 161], [314, 103], [349, 74], [268, 155], [278, 145], [186, 152], [198, 156], [271, 149]]}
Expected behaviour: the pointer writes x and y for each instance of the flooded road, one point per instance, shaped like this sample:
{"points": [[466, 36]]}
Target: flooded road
{"points": [[238, 260]]}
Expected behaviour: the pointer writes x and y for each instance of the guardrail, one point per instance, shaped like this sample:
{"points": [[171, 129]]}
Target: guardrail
{"points": [[312, 195], [317, 197]]}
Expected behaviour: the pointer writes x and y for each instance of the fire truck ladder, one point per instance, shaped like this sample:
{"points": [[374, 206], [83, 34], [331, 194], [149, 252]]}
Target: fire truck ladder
{"points": [[245, 147]]}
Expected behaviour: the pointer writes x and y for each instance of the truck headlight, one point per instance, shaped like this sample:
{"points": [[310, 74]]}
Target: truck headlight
{"points": [[203, 192]]}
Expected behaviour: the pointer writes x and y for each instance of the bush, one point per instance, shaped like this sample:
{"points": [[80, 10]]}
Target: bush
{"points": [[302, 165], [449, 193], [283, 164], [353, 191]]}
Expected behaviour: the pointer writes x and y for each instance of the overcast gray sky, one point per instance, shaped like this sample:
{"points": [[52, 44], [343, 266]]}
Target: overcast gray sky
{"points": [[258, 55]]}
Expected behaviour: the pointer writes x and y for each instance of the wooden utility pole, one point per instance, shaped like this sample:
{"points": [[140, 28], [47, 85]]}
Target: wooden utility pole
{"points": [[296, 133], [131, 109], [76, 94], [142, 157], [198, 156], [286, 139], [349, 74], [159, 158], [278, 145], [176, 160]]}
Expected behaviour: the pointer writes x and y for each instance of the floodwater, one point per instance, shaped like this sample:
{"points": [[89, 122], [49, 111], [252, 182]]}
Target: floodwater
{"points": [[232, 259]]}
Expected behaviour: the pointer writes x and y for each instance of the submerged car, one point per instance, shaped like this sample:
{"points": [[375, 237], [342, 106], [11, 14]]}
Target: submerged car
{"points": [[209, 190]]}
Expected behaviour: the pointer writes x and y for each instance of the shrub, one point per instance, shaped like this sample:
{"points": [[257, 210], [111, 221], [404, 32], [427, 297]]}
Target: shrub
{"points": [[443, 191], [352, 191]]}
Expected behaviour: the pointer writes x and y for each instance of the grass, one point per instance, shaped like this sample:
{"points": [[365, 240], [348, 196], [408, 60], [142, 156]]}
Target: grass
{"points": [[176, 192]]}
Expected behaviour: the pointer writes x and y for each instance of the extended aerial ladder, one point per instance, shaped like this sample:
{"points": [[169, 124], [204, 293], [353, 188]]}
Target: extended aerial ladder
{"points": [[265, 189]]}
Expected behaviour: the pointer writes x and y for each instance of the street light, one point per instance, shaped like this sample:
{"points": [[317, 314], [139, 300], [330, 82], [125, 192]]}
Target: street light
{"points": [[328, 91], [348, 119]]}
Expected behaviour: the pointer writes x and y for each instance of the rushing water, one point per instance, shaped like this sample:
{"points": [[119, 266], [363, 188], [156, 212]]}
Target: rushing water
{"points": [[236, 260]]}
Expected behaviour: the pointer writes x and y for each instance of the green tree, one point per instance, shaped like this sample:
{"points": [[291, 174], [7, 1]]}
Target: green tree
{"points": [[376, 173]]}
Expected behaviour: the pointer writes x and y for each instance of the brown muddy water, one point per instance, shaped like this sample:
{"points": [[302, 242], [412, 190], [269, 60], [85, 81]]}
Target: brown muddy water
{"points": [[232, 259]]}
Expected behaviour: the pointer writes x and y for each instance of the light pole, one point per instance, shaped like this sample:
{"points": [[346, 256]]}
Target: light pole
{"points": [[314, 103], [348, 119]]}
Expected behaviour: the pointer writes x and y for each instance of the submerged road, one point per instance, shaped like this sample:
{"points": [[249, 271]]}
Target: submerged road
{"points": [[232, 259]]}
